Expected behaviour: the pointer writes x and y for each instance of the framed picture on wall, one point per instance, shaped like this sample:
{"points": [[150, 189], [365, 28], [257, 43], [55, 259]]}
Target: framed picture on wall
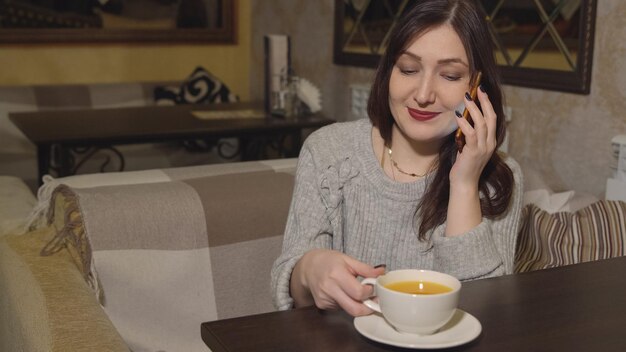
{"points": [[67, 21]]}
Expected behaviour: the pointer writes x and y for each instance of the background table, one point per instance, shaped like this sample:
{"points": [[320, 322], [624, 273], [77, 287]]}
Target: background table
{"points": [[580, 307], [57, 132]]}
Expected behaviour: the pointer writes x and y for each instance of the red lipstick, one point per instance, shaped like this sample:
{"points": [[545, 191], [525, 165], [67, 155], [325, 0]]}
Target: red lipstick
{"points": [[422, 115]]}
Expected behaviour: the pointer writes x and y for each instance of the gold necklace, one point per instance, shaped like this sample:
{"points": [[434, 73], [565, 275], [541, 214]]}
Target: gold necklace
{"points": [[393, 162]]}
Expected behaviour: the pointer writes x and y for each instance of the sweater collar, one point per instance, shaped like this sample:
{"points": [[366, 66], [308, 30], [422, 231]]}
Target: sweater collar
{"points": [[372, 170]]}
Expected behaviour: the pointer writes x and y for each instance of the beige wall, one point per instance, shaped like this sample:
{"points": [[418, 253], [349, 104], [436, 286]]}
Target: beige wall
{"points": [[565, 136], [310, 26], [109, 63]]}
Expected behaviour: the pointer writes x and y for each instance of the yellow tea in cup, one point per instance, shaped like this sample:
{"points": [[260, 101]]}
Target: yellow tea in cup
{"points": [[415, 301], [418, 287]]}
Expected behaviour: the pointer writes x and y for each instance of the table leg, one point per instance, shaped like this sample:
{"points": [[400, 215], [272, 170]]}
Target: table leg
{"points": [[296, 144], [243, 149], [60, 160], [65, 161], [43, 161], [253, 148]]}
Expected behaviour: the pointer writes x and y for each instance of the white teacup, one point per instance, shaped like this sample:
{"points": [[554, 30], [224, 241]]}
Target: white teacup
{"points": [[421, 314]]}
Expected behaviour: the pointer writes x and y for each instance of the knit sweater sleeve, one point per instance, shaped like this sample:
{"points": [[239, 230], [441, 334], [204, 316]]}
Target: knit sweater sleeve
{"points": [[307, 227], [487, 250]]}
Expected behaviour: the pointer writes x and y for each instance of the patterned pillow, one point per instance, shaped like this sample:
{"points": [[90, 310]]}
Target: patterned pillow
{"points": [[546, 240], [201, 87]]}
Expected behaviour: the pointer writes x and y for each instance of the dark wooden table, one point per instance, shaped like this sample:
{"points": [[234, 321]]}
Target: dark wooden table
{"points": [[580, 307], [56, 133]]}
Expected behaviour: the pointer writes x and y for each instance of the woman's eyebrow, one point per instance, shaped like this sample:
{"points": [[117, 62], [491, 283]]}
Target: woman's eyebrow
{"points": [[415, 57], [453, 60]]}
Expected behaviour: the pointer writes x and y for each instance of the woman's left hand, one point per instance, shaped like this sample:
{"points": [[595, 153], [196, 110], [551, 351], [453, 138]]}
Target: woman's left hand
{"points": [[480, 142]]}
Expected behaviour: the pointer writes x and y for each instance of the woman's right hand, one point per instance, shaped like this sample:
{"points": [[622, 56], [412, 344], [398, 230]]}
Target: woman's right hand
{"points": [[328, 279]]}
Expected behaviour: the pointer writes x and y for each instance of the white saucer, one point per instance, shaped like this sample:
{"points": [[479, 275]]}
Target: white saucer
{"points": [[462, 328]]}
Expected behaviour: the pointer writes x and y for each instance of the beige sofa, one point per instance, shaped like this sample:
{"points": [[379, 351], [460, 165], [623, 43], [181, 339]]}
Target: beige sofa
{"points": [[137, 260]]}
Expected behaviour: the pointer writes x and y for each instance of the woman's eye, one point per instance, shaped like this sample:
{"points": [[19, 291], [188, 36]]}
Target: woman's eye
{"points": [[407, 71], [452, 77]]}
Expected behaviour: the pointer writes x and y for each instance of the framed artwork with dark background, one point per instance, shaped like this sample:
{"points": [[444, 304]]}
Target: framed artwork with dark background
{"points": [[68, 21], [544, 44]]}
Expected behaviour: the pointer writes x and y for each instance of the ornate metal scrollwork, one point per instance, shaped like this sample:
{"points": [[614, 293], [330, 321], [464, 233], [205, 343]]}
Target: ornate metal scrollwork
{"points": [[68, 161], [226, 148]]}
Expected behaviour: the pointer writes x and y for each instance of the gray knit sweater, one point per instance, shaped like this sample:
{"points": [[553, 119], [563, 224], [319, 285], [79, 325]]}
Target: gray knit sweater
{"points": [[344, 201]]}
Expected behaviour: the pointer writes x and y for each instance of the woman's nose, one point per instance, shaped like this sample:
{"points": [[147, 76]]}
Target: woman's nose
{"points": [[424, 92]]}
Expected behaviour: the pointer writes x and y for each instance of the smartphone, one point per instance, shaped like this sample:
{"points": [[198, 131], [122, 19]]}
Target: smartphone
{"points": [[459, 137]]}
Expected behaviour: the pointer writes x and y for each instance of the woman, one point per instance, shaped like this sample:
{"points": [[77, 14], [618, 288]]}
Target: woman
{"points": [[394, 191]]}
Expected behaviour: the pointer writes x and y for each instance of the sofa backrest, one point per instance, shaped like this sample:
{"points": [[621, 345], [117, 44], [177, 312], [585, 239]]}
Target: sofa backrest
{"points": [[18, 154], [65, 96]]}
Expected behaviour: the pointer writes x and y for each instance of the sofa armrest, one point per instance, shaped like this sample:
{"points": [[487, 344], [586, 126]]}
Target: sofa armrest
{"points": [[16, 201], [45, 304]]}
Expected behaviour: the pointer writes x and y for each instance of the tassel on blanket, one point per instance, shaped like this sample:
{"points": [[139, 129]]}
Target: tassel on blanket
{"points": [[64, 213], [37, 217]]}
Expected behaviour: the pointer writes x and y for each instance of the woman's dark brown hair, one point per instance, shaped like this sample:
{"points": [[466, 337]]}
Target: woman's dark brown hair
{"points": [[469, 22]]}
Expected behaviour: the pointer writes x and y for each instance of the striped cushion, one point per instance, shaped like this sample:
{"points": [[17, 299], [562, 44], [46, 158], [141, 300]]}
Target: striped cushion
{"points": [[546, 240]]}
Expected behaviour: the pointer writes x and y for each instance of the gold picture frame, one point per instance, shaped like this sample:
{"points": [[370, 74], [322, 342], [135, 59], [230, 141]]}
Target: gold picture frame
{"points": [[49, 25]]}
